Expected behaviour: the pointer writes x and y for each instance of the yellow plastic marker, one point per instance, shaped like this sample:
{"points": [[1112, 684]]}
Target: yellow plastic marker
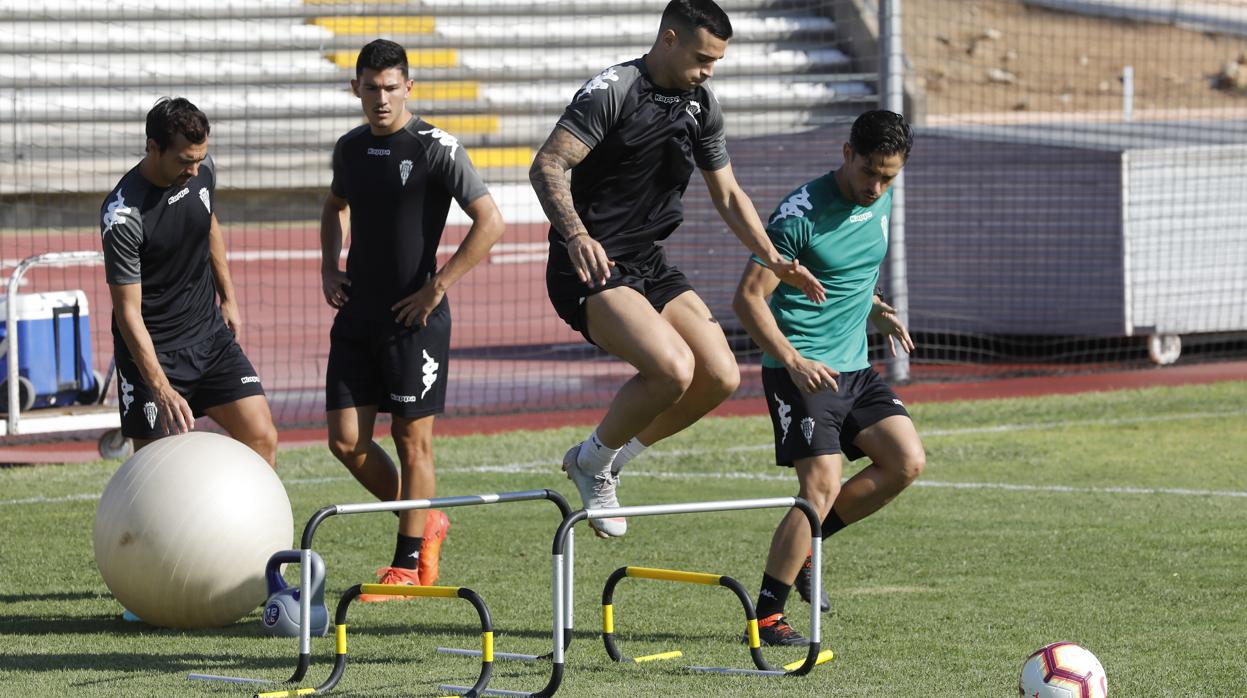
{"points": [[376, 25], [608, 618], [287, 694], [754, 641], [341, 635], [824, 656], [658, 657]]}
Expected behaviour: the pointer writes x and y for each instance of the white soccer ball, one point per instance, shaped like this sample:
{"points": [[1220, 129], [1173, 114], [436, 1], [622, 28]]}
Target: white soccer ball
{"points": [[1062, 670]]}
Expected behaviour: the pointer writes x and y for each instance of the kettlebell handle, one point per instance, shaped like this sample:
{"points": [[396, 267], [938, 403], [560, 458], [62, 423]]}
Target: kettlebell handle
{"points": [[276, 583]]}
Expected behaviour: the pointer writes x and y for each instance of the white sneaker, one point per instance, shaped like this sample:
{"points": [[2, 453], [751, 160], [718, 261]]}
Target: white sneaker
{"points": [[597, 491]]}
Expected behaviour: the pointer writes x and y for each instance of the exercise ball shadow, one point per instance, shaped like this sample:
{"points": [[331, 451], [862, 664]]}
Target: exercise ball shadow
{"points": [[185, 528]]}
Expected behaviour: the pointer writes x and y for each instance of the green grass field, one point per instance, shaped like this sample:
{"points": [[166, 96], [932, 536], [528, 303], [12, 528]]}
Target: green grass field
{"points": [[1115, 520]]}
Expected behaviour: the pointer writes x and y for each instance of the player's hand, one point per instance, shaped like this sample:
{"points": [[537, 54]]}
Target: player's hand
{"points": [[589, 260], [334, 283], [173, 411], [792, 273], [884, 318], [417, 307], [812, 376], [231, 316]]}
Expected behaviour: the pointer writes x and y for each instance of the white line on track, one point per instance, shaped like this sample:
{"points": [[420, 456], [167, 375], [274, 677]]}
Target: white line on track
{"points": [[548, 465]]}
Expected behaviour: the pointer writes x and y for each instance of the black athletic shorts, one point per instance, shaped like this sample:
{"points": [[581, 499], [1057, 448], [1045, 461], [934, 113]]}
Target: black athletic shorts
{"points": [[826, 422], [401, 370], [209, 373], [647, 272]]}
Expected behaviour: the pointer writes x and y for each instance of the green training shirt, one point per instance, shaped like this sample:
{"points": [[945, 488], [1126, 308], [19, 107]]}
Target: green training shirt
{"points": [[842, 245]]}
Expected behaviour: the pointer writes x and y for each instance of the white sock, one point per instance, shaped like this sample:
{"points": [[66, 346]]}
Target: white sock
{"points": [[594, 457], [630, 450]]}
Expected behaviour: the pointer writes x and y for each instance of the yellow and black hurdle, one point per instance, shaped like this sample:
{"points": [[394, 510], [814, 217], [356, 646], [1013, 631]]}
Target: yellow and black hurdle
{"points": [[339, 664], [562, 601], [705, 578], [561, 582]]}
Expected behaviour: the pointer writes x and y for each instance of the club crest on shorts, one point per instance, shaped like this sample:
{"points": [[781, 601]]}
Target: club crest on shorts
{"points": [[149, 411], [784, 410], [807, 430], [404, 170], [203, 196]]}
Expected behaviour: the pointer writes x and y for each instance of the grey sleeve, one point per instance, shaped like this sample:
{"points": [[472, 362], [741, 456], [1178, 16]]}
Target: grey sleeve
{"points": [[336, 186], [711, 150], [597, 105], [449, 163], [122, 232]]}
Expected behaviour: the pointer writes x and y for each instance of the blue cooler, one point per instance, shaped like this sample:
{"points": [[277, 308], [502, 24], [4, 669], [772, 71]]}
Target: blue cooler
{"points": [[54, 348]]}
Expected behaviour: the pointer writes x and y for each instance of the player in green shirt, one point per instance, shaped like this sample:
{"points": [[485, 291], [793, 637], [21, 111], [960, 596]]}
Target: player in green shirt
{"points": [[824, 398]]}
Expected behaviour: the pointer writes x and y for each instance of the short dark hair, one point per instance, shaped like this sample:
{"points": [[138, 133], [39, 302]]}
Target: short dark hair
{"points": [[381, 54], [173, 115], [691, 15], [881, 131]]}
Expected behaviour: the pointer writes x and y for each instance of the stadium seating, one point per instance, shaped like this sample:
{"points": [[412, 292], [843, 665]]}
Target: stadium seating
{"points": [[76, 78]]}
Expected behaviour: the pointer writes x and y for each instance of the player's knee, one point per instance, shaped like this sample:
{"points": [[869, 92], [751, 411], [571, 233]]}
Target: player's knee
{"points": [[674, 375], [414, 451], [265, 444], [725, 379], [351, 452], [911, 465], [821, 493]]}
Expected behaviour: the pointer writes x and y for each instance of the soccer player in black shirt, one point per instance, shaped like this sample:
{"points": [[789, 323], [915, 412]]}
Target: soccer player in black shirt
{"points": [[176, 350], [393, 180], [631, 138]]}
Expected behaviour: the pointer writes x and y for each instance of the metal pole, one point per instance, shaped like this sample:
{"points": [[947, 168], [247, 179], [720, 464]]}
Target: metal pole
{"points": [[892, 94]]}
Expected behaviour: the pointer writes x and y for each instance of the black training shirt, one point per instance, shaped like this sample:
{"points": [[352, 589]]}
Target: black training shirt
{"points": [[399, 189], [644, 142], [158, 237]]}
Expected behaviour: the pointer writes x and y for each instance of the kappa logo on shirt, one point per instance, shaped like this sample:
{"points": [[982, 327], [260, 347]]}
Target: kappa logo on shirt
{"points": [[795, 205], [598, 82], [443, 138], [116, 212], [178, 196], [861, 217], [379, 152], [664, 99]]}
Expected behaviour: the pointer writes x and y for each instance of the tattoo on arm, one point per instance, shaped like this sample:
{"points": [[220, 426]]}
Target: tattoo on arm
{"points": [[562, 151]]}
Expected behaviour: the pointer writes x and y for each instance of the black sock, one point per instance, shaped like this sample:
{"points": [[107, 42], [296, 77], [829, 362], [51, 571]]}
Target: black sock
{"points": [[407, 552], [832, 523], [772, 597]]}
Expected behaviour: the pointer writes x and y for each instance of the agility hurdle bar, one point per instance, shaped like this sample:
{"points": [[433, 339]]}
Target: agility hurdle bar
{"points": [[339, 664], [313, 523], [562, 605], [608, 608]]}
